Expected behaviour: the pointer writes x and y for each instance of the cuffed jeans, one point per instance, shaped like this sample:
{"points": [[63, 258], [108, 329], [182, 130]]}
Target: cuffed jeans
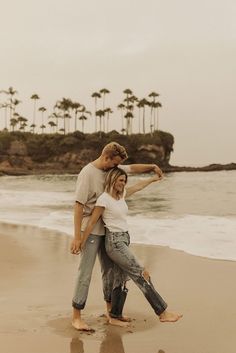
{"points": [[117, 247], [95, 244]]}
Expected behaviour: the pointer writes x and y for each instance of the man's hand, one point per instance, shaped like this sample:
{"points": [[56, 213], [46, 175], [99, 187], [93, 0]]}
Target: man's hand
{"points": [[157, 170], [75, 247]]}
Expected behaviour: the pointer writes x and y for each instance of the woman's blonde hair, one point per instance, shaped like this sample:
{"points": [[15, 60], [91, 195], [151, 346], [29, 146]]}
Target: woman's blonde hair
{"points": [[111, 178]]}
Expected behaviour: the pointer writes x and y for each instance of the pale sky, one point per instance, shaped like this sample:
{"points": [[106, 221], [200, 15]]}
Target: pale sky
{"points": [[185, 50]]}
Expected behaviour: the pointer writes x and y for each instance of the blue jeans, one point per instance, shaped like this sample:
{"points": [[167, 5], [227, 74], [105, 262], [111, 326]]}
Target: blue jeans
{"points": [[95, 244], [117, 247]]}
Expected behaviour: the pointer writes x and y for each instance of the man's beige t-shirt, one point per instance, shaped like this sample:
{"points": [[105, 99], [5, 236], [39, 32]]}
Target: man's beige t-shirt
{"points": [[89, 186]]}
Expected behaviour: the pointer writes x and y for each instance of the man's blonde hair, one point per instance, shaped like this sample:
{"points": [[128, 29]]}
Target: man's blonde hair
{"points": [[113, 149], [111, 178]]}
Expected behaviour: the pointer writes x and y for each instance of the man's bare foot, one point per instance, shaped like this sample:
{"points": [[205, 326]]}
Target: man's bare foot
{"points": [[116, 322], [167, 316], [80, 325]]}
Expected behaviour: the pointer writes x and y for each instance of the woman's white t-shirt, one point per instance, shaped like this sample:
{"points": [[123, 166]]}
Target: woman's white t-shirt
{"points": [[114, 215]]}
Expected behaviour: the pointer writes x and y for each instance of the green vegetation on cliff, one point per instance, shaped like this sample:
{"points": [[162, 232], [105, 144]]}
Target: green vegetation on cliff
{"points": [[72, 151]]}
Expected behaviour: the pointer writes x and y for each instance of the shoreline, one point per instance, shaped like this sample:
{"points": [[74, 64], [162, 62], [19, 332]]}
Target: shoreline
{"points": [[37, 277], [36, 228], [42, 169]]}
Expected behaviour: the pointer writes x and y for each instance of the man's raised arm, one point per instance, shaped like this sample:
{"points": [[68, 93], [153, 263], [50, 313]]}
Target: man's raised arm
{"points": [[145, 168]]}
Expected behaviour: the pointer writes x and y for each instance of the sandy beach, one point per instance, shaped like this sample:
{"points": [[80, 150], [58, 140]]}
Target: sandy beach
{"points": [[37, 280]]}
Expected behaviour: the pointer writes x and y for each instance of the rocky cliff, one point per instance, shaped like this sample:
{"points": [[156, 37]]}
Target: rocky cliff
{"points": [[25, 153]]}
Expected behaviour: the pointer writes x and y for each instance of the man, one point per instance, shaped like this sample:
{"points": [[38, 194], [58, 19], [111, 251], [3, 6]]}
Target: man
{"points": [[89, 186]]}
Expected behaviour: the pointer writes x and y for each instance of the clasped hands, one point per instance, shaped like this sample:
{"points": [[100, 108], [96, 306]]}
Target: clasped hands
{"points": [[77, 246], [158, 171]]}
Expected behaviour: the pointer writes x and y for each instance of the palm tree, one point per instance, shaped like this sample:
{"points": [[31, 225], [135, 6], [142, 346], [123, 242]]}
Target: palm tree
{"points": [[121, 107], [42, 127], [129, 109], [86, 113], [11, 92], [139, 105], [52, 126], [56, 116], [128, 92], [128, 116], [83, 117], [75, 106], [104, 91], [143, 102], [22, 121], [5, 106], [153, 95], [8, 104], [33, 126], [66, 117], [156, 117], [108, 111], [13, 123], [23, 126], [64, 105], [62, 130], [42, 110], [152, 119], [15, 102], [35, 97], [95, 95], [100, 113]]}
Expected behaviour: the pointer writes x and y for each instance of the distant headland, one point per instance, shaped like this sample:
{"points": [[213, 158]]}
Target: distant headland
{"points": [[25, 153]]}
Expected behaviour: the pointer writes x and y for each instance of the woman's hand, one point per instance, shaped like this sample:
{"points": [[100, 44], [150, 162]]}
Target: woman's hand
{"points": [[157, 177], [157, 171], [75, 247]]}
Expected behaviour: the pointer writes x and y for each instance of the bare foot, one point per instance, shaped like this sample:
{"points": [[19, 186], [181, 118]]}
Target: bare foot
{"points": [[116, 322], [125, 318], [169, 317], [80, 325]]}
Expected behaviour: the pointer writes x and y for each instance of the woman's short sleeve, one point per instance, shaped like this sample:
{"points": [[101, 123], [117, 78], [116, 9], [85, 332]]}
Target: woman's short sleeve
{"points": [[102, 201]]}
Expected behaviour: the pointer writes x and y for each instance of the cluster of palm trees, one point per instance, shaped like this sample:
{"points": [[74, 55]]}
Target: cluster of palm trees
{"points": [[66, 110]]}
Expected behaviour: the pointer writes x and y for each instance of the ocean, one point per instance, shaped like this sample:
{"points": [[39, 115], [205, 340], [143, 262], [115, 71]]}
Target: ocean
{"points": [[194, 212]]}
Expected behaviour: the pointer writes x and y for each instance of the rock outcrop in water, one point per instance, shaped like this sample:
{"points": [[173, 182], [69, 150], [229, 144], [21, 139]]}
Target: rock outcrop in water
{"points": [[26, 153]]}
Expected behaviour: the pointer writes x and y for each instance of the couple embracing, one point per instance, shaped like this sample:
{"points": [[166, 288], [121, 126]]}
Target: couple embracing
{"points": [[100, 228]]}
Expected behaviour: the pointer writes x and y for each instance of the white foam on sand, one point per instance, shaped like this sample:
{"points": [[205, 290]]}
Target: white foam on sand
{"points": [[207, 236]]}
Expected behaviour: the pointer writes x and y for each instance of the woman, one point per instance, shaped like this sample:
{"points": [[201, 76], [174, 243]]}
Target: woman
{"points": [[111, 206]]}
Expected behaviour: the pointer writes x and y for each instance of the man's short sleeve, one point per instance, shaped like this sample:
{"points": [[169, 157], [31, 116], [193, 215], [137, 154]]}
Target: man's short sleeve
{"points": [[126, 168], [82, 188], [102, 201]]}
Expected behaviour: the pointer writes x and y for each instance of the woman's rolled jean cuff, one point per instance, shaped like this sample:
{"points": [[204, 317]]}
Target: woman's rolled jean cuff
{"points": [[78, 306]]}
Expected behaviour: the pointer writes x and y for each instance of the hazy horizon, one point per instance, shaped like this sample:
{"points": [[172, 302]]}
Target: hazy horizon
{"points": [[185, 51]]}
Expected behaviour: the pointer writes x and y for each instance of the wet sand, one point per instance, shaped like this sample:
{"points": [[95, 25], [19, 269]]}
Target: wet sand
{"points": [[37, 280]]}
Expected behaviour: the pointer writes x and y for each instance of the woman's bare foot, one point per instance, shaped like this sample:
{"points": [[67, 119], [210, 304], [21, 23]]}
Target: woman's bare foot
{"points": [[80, 325], [125, 318], [116, 322], [167, 316]]}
